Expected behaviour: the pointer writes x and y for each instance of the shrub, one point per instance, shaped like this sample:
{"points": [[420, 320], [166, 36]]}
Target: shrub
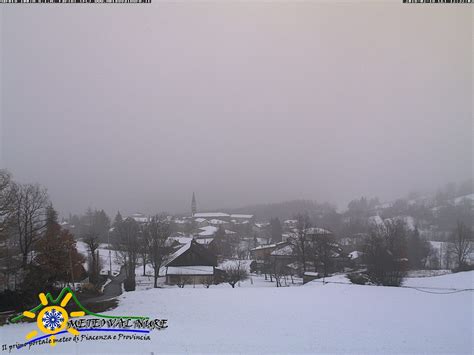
{"points": [[89, 289], [464, 267], [358, 278]]}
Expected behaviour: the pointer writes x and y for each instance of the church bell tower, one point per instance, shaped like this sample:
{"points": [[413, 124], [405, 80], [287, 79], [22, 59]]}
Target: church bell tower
{"points": [[193, 205]]}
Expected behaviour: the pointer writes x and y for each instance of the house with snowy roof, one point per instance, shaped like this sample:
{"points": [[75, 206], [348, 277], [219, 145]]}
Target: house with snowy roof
{"points": [[263, 252], [314, 232], [178, 239], [284, 251], [212, 215], [190, 264], [242, 217], [201, 222], [206, 232], [139, 218], [218, 222], [268, 258], [290, 223], [261, 228], [221, 217]]}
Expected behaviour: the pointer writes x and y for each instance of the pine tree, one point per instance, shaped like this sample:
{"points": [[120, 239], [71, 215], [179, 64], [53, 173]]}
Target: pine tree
{"points": [[118, 219]]}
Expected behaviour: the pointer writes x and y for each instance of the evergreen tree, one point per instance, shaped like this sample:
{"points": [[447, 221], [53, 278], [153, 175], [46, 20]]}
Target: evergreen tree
{"points": [[101, 224], [118, 219]]}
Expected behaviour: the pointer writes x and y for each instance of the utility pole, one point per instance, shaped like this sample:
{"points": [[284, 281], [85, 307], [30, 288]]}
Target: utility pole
{"points": [[193, 206], [110, 255], [97, 266], [440, 255]]}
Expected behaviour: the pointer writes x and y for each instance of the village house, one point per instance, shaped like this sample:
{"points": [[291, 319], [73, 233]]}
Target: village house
{"points": [[316, 232], [283, 259], [201, 222], [355, 239], [218, 223], [353, 242], [208, 232], [222, 217], [263, 252], [262, 255], [139, 218], [290, 224], [190, 264]]}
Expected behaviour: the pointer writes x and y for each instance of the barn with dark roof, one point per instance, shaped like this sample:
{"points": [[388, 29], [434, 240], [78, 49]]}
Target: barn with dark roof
{"points": [[190, 264]]}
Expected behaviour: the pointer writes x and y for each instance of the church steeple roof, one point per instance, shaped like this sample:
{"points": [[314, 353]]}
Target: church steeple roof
{"points": [[193, 205]]}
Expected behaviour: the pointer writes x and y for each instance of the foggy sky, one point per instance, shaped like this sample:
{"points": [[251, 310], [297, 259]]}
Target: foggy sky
{"points": [[135, 107]]}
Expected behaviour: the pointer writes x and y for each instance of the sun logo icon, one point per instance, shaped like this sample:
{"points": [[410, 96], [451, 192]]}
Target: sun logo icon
{"points": [[52, 319]]}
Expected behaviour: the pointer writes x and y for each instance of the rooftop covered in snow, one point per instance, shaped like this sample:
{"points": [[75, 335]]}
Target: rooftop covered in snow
{"points": [[207, 231], [211, 215]]}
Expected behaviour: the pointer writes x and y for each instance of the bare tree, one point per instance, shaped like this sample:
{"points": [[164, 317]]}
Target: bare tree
{"points": [[157, 233], [277, 268], [92, 241], [128, 245], [235, 272], [385, 255], [29, 217], [302, 225], [324, 249], [8, 264], [143, 249], [6, 199], [461, 246], [183, 280]]}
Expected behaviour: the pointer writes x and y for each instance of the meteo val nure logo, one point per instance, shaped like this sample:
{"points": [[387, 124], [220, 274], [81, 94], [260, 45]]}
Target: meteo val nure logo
{"points": [[57, 325]]}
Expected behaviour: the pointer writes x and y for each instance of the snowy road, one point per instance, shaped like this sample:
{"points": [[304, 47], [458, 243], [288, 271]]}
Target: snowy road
{"points": [[112, 290]]}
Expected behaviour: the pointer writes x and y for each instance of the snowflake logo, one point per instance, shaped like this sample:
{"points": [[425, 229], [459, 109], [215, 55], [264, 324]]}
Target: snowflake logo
{"points": [[52, 319]]}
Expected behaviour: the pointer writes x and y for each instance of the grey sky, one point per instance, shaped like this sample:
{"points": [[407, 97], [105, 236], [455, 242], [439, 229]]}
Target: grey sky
{"points": [[135, 107]]}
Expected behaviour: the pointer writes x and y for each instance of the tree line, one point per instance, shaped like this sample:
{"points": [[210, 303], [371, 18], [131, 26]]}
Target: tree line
{"points": [[146, 242], [35, 253], [388, 250]]}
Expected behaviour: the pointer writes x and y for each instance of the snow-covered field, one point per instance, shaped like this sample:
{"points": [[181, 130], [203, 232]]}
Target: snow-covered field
{"points": [[314, 318]]}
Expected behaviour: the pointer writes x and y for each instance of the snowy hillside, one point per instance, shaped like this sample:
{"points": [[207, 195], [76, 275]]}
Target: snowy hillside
{"points": [[314, 318], [103, 251]]}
